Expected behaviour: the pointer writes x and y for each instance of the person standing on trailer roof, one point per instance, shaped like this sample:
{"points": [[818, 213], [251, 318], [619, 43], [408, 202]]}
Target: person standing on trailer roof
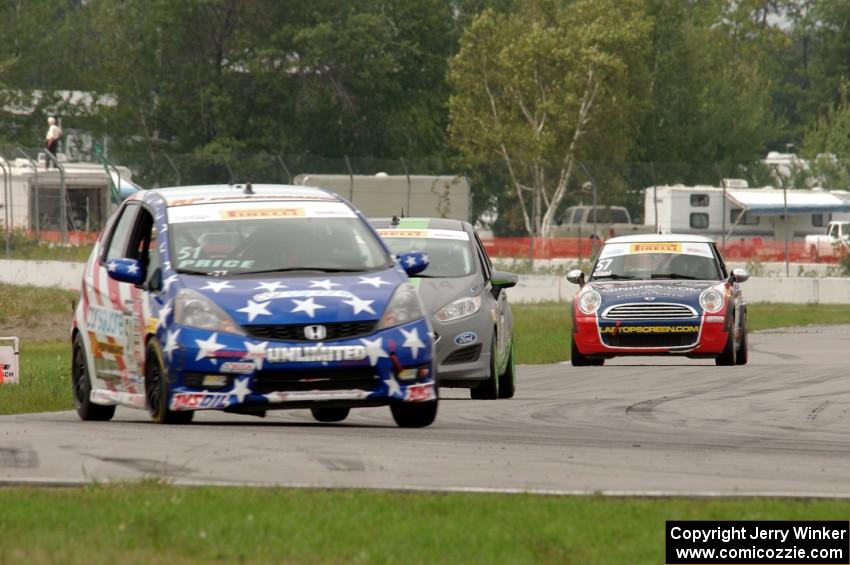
{"points": [[51, 140]]}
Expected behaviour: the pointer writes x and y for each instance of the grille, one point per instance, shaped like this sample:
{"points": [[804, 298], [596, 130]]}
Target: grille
{"points": [[465, 355], [319, 379], [649, 311], [342, 330], [650, 340]]}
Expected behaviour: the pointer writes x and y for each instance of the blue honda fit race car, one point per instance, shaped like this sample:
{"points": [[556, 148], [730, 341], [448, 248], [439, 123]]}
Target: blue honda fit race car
{"points": [[246, 299]]}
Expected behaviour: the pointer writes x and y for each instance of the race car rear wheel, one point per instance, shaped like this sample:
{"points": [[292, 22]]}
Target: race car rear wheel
{"points": [[330, 414], [743, 345], [156, 389], [728, 356], [507, 381], [414, 414], [81, 385], [489, 389]]}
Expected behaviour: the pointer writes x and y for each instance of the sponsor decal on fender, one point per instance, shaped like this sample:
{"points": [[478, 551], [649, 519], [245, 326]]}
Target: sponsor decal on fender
{"points": [[315, 353], [241, 368], [98, 348], [105, 322], [200, 400], [420, 393], [614, 330]]}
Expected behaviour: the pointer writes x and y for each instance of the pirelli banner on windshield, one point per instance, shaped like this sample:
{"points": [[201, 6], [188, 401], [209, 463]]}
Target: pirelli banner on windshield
{"points": [[757, 542]]}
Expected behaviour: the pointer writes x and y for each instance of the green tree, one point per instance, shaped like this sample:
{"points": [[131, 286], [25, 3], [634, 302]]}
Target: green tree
{"points": [[710, 98], [827, 145], [545, 85]]}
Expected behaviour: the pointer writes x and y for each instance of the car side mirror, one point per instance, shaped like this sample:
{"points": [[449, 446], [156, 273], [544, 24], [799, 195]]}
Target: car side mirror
{"points": [[125, 270], [503, 279], [413, 262], [576, 276], [740, 275]]}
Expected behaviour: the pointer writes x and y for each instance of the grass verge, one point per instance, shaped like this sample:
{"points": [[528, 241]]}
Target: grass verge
{"points": [[23, 305], [151, 522], [541, 333], [44, 385]]}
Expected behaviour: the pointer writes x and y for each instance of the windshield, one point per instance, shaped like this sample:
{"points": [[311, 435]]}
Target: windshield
{"points": [[449, 251], [272, 237], [645, 261]]}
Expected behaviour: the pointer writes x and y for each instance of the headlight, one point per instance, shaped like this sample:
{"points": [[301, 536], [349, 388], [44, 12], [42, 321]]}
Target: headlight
{"points": [[460, 308], [191, 308], [588, 301], [404, 307], [711, 301]]}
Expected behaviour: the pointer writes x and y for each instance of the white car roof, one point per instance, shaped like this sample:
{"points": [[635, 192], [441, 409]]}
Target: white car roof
{"points": [[660, 238], [203, 192]]}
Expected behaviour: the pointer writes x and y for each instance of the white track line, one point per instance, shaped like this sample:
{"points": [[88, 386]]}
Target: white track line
{"points": [[69, 483]]}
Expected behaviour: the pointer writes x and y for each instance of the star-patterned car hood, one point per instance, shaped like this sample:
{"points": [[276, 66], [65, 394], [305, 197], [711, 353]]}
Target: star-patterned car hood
{"points": [[316, 298]]}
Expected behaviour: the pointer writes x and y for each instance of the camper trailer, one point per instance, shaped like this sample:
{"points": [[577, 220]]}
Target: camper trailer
{"points": [[32, 195], [745, 212]]}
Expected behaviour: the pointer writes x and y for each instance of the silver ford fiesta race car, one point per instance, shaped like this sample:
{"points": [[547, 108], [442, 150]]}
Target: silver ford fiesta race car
{"points": [[465, 300]]}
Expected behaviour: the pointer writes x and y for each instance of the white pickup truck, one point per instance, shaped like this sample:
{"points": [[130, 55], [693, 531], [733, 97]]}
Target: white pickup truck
{"points": [[611, 221], [836, 241]]}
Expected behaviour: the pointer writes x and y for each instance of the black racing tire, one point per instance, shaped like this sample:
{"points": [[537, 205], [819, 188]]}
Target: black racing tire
{"points": [[743, 346], [488, 389], [727, 357], [576, 357], [81, 387], [324, 414], [507, 380], [414, 414], [156, 389]]}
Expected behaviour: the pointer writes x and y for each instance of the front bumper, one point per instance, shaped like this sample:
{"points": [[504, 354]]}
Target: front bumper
{"points": [[237, 373], [705, 337], [463, 350]]}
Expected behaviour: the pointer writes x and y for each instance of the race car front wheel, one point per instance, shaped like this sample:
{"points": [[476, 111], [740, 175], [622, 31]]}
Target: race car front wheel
{"points": [[81, 384], [727, 357], [414, 414], [579, 360], [156, 389], [507, 380], [743, 345], [330, 414], [489, 389]]}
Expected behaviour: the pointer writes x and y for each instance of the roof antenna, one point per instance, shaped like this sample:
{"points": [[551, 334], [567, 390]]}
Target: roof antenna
{"points": [[248, 188]]}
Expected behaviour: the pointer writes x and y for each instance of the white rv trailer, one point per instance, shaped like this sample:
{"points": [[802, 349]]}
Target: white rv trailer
{"points": [[443, 196], [31, 194], [750, 212]]}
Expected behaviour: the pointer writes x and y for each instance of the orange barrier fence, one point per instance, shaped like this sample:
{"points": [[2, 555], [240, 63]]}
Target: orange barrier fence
{"points": [[754, 249], [74, 237]]}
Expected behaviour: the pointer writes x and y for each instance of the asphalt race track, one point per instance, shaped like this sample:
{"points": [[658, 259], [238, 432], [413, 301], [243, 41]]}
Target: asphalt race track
{"points": [[780, 425]]}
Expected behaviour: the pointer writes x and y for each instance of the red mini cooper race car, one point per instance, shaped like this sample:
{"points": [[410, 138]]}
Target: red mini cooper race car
{"points": [[659, 295]]}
